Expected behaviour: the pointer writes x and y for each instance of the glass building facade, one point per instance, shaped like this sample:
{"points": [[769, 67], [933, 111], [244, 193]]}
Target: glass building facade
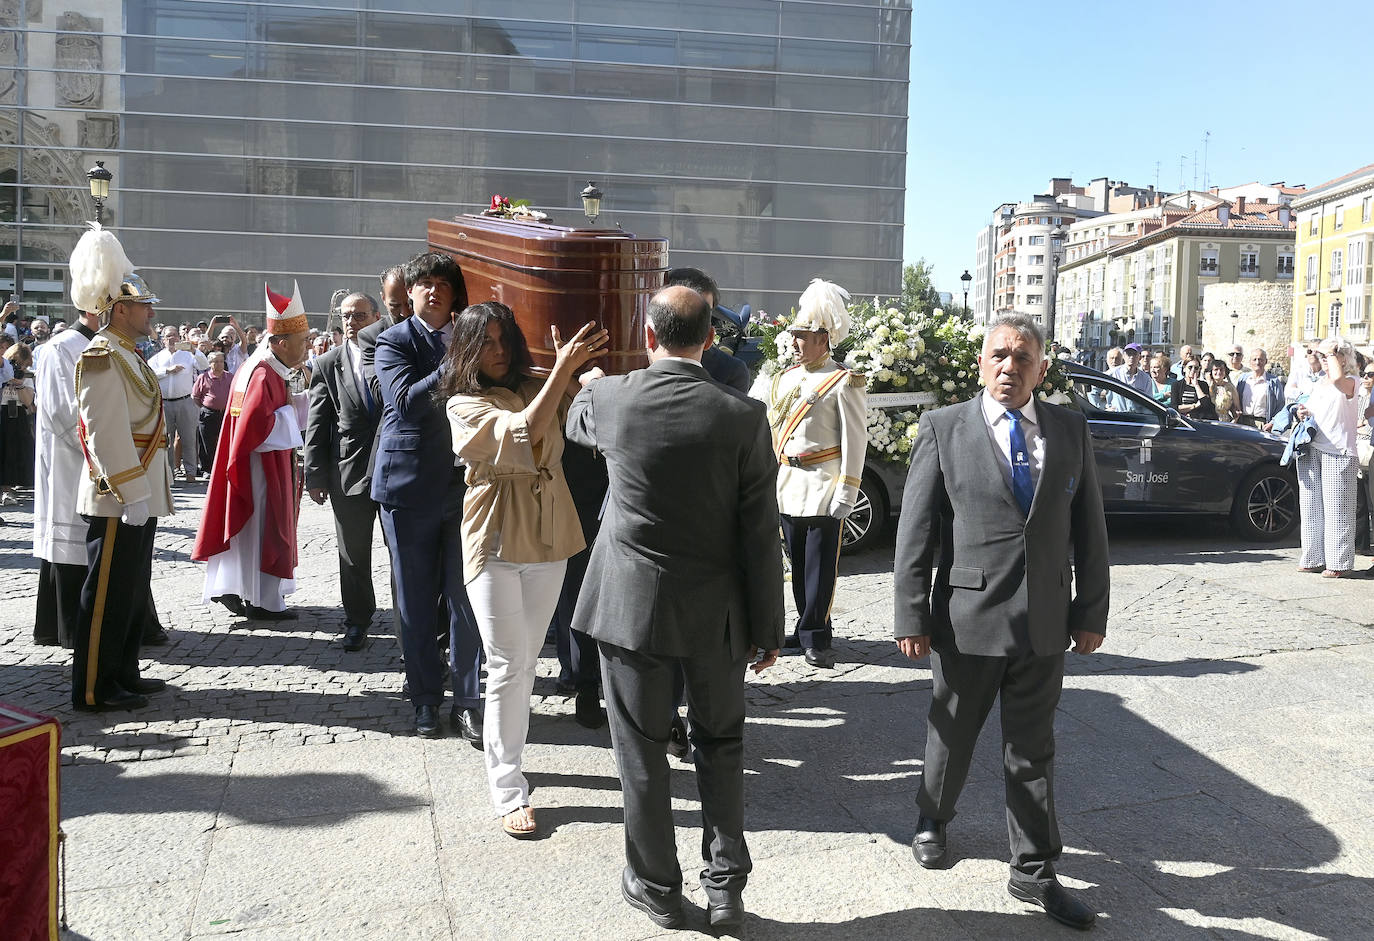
{"points": [[766, 139]]}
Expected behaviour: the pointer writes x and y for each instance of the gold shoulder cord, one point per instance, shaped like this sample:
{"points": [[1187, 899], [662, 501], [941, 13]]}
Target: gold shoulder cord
{"points": [[778, 412], [145, 388]]}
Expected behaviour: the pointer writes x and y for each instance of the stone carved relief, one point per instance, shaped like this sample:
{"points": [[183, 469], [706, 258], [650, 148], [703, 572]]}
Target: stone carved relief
{"points": [[9, 56], [83, 87], [98, 132]]}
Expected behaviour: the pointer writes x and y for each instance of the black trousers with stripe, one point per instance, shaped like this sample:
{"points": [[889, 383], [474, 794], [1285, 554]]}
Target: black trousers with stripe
{"points": [[813, 545], [114, 604]]}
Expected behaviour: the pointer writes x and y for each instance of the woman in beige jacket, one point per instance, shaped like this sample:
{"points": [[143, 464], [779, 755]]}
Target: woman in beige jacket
{"points": [[519, 523]]}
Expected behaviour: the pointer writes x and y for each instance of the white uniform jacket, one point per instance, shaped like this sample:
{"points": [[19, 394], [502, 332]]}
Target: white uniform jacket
{"points": [[819, 419], [123, 435]]}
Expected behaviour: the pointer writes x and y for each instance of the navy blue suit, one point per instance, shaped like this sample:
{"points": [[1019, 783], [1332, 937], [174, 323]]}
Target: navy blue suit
{"points": [[420, 492]]}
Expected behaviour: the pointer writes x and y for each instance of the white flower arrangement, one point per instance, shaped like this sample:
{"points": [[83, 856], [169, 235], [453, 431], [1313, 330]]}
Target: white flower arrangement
{"points": [[906, 356]]}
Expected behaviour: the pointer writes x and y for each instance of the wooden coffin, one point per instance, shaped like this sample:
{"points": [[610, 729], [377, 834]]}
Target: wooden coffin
{"points": [[552, 275]]}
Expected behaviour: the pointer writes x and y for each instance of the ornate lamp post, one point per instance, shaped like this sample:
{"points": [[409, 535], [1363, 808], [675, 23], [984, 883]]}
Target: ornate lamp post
{"points": [[591, 201], [100, 186], [1235, 317], [966, 278]]}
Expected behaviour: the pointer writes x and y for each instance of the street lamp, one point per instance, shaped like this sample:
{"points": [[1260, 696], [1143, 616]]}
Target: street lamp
{"points": [[100, 186], [966, 278], [591, 201], [1235, 316]]}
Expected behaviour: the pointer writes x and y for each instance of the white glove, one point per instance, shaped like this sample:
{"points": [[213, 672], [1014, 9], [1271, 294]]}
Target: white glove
{"points": [[840, 510], [135, 514]]}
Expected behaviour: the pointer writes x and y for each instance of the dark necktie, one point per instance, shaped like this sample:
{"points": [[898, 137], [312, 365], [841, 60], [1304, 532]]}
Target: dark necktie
{"points": [[1020, 463]]}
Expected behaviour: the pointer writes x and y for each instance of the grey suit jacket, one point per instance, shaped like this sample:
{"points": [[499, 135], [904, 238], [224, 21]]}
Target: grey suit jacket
{"points": [[688, 553], [341, 432], [976, 575]]}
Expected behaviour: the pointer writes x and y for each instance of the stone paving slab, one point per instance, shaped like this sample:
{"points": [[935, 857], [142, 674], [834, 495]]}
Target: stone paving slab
{"points": [[1213, 772]]}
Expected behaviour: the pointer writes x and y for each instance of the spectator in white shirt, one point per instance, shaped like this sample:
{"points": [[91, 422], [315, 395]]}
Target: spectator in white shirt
{"points": [[175, 366], [1131, 374]]}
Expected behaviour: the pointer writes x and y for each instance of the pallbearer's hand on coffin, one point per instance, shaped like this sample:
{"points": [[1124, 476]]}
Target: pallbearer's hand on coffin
{"points": [[584, 345]]}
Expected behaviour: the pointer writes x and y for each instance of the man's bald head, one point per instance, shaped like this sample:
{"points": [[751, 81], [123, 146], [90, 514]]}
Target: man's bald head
{"points": [[680, 319]]}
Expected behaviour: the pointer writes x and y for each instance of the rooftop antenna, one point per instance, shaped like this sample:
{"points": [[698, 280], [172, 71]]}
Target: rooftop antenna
{"points": [[1206, 139]]}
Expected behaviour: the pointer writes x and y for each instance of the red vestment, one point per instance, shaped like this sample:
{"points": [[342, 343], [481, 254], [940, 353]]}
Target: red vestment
{"points": [[229, 503]]}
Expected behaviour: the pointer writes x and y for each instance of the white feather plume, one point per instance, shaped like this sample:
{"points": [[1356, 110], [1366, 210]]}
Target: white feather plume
{"points": [[98, 265], [824, 303]]}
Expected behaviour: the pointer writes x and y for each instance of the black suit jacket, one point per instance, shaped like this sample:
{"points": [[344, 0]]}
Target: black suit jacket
{"points": [[341, 431], [975, 574], [688, 552], [724, 368]]}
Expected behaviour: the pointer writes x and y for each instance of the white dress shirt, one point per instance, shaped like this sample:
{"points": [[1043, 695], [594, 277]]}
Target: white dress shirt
{"points": [[354, 358], [999, 426], [177, 385]]}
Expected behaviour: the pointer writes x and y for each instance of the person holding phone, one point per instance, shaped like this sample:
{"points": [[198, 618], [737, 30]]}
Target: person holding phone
{"points": [[175, 366]]}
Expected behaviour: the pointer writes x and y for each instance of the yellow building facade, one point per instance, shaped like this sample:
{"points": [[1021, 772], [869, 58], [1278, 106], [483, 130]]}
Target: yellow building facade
{"points": [[1335, 249]]}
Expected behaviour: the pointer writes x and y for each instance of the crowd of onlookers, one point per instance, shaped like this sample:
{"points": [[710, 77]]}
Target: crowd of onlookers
{"points": [[1322, 404], [207, 352]]}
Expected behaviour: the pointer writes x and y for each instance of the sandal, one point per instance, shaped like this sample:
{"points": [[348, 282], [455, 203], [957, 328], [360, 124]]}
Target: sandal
{"points": [[519, 823], [1309, 568], [1332, 573]]}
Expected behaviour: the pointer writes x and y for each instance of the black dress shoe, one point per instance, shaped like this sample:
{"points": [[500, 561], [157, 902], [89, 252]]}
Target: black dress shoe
{"points": [[929, 845], [120, 699], [665, 914], [427, 722], [588, 711], [825, 659], [144, 685], [255, 613], [678, 745], [726, 914], [1057, 902], [468, 722], [233, 602], [157, 638], [355, 637], [46, 641]]}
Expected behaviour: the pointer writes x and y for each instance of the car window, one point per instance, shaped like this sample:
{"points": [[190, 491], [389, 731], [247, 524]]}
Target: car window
{"points": [[1099, 402]]}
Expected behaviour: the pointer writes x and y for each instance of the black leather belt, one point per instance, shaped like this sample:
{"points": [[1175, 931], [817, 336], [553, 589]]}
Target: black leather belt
{"points": [[177, 399]]}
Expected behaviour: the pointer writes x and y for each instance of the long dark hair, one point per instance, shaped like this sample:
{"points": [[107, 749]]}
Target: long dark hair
{"points": [[461, 373]]}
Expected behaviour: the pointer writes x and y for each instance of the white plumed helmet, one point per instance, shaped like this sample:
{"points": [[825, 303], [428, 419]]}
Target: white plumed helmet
{"points": [[822, 306], [103, 274]]}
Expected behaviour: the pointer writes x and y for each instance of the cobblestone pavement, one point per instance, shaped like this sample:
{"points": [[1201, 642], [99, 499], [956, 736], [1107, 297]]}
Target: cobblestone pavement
{"points": [[1213, 774]]}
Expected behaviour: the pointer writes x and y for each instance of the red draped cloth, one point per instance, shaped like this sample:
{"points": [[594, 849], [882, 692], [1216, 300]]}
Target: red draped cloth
{"points": [[30, 748], [229, 503]]}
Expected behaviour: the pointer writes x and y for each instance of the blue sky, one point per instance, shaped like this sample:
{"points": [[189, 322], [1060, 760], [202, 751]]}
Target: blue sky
{"points": [[1006, 95]]}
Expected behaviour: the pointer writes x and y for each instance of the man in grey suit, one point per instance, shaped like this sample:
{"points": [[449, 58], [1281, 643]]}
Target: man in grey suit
{"points": [[686, 571], [340, 438], [1001, 490]]}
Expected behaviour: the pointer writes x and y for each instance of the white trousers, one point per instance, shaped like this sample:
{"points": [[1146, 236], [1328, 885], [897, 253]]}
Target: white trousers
{"points": [[513, 605], [1326, 499]]}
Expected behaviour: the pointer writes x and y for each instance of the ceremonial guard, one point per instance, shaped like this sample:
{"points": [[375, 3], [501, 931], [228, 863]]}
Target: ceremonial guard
{"points": [[126, 485], [248, 533], [817, 410]]}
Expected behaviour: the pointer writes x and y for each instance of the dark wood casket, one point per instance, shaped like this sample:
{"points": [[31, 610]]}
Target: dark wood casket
{"points": [[552, 275]]}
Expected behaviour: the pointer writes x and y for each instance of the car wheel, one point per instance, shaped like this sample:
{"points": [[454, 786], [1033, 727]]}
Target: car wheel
{"points": [[860, 529], [1266, 504]]}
